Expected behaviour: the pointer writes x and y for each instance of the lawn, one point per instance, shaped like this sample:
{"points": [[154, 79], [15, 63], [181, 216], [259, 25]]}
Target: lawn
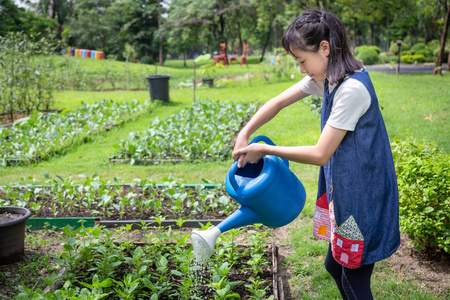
{"points": [[413, 105]]}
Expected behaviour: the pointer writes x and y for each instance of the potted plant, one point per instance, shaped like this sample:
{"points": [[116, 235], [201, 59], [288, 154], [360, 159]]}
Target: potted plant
{"points": [[207, 69], [12, 233]]}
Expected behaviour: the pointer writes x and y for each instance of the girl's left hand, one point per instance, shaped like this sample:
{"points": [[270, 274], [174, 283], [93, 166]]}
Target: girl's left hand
{"points": [[250, 154]]}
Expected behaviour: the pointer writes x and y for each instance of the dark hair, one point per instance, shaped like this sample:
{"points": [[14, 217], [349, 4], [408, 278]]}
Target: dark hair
{"points": [[306, 33]]}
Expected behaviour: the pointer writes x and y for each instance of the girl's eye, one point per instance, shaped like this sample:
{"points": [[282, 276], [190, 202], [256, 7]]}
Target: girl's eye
{"points": [[302, 62]]}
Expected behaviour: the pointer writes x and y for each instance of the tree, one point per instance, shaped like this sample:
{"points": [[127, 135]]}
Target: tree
{"points": [[59, 10], [438, 63], [14, 19]]}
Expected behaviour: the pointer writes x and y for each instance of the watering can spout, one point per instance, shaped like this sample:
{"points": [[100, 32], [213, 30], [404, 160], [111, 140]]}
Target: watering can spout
{"points": [[204, 241]]}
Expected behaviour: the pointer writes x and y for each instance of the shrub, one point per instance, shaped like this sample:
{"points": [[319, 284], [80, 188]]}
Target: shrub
{"points": [[368, 56], [387, 58], [411, 59], [394, 48], [418, 48], [424, 190], [445, 57], [147, 60], [26, 83]]}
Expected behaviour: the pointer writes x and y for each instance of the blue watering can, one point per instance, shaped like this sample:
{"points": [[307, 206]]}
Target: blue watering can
{"points": [[269, 193]]}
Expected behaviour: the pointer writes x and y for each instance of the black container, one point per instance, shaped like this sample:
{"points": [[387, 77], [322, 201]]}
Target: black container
{"points": [[208, 82], [159, 87], [12, 235]]}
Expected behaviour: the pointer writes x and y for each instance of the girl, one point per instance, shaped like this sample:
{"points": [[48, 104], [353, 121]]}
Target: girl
{"points": [[357, 200]]}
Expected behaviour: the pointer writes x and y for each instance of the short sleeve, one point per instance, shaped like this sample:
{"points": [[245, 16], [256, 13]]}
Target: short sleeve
{"points": [[311, 87], [351, 101]]}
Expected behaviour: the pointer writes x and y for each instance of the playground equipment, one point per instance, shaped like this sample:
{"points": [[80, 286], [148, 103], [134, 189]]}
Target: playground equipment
{"points": [[243, 56], [234, 56], [269, 192], [223, 57]]}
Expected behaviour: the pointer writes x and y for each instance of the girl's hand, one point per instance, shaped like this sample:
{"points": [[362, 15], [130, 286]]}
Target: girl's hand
{"points": [[241, 142], [250, 154]]}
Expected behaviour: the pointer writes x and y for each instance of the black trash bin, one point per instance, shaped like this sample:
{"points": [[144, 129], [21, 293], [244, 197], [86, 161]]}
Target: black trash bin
{"points": [[159, 87]]}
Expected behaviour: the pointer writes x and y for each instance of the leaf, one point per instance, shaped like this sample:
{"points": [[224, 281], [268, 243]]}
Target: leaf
{"points": [[428, 209], [177, 273]]}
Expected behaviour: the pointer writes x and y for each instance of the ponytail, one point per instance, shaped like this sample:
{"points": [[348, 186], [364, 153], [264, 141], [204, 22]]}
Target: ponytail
{"points": [[306, 33]]}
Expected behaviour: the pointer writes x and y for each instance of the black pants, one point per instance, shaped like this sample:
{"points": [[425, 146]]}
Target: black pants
{"points": [[354, 284]]}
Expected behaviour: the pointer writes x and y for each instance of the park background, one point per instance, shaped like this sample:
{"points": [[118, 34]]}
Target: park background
{"points": [[145, 38]]}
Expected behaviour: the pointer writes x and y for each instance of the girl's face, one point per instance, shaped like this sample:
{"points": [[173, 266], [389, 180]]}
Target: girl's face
{"points": [[314, 64]]}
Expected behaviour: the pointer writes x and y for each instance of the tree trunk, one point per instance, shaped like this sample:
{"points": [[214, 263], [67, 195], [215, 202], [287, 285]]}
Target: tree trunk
{"points": [[275, 33], [267, 42], [448, 62], [438, 63], [241, 44], [372, 34], [161, 58], [184, 58]]}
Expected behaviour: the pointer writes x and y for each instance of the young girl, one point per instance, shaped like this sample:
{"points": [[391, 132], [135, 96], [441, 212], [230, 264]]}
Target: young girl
{"points": [[357, 201]]}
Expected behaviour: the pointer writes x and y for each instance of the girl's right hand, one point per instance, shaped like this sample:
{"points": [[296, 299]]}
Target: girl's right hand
{"points": [[241, 142]]}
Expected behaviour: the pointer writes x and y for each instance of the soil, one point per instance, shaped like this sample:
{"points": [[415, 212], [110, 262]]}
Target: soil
{"points": [[6, 217], [430, 268]]}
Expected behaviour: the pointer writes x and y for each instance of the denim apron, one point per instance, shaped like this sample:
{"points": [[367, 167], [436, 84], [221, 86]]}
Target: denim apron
{"points": [[357, 200]]}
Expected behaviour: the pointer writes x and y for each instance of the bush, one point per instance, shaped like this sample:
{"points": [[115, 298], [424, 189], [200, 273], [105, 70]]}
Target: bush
{"points": [[419, 47], [394, 48], [387, 58], [412, 59], [147, 60], [28, 83], [364, 47], [445, 57], [424, 190], [368, 56]]}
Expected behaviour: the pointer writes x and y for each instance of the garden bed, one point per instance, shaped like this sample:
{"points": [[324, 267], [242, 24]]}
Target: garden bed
{"points": [[156, 262], [97, 202], [40, 136]]}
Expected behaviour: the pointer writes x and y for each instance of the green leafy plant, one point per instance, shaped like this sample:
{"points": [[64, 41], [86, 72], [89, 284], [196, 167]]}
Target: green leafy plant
{"points": [[202, 132], [423, 175]]}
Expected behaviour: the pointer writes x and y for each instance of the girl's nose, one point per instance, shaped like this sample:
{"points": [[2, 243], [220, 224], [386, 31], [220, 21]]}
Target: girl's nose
{"points": [[302, 69]]}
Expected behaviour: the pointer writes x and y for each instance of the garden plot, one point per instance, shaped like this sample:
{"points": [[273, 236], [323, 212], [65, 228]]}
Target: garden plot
{"points": [[40, 136], [97, 262], [102, 200], [202, 132]]}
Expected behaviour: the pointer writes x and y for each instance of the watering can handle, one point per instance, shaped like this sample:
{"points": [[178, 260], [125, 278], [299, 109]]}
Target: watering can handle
{"points": [[234, 167], [268, 141]]}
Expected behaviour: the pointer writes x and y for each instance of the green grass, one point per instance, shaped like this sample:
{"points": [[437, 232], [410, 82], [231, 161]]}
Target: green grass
{"points": [[406, 100]]}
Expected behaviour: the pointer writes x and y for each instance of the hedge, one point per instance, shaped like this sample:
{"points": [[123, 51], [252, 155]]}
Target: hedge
{"points": [[423, 175]]}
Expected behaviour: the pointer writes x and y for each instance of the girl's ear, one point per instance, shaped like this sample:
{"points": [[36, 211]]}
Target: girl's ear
{"points": [[324, 48]]}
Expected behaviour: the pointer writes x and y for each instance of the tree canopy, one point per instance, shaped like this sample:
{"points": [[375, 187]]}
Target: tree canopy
{"points": [[192, 27]]}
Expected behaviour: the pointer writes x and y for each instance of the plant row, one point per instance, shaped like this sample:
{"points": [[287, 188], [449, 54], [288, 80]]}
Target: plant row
{"points": [[41, 136], [202, 132], [101, 265], [142, 199]]}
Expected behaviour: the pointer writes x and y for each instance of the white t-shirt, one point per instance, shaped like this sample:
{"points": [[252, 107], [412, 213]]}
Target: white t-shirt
{"points": [[350, 103]]}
